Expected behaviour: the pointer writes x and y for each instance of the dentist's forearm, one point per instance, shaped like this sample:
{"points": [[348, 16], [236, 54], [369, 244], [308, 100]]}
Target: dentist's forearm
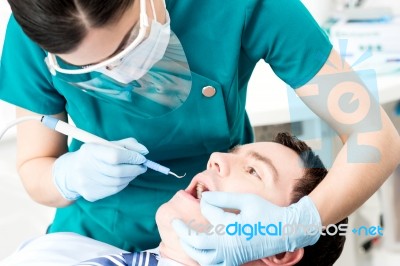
{"points": [[36, 176], [348, 185], [37, 149]]}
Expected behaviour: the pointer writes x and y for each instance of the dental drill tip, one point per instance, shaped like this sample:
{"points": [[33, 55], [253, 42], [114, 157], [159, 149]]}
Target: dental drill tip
{"points": [[177, 176]]}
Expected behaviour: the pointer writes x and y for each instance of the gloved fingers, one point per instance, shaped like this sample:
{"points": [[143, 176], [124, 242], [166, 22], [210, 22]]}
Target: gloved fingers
{"points": [[107, 181], [202, 256], [200, 247], [133, 145], [101, 192], [93, 193], [216, 215], [120, 170], [130, 157], [228, 200], [110, 155], [197, 241], [239, 201]]}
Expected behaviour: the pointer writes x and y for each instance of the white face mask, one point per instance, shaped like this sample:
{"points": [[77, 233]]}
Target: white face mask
{"points": [[140, 60]]}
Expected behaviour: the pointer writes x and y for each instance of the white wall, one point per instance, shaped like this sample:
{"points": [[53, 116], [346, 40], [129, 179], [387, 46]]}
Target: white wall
{"points": [[393, 4], [20, 217], [320, 9]]}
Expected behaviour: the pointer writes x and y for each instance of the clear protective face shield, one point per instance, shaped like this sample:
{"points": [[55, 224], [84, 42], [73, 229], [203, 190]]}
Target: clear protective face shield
{"points": [[149, 77]]}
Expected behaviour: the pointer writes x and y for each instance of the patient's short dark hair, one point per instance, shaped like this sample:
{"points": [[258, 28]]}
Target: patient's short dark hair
{"points": [[59, 26], [329, 247]]}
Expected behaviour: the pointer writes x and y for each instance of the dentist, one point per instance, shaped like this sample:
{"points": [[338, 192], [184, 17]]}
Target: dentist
{"points": [[168, 81]]}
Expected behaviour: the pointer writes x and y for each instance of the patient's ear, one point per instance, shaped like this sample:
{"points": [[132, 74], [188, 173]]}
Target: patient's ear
{"points": [[284, 259]]}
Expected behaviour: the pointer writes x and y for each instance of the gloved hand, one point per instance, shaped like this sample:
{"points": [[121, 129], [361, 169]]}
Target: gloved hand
{"points": [[96, 171], [228, 249]]}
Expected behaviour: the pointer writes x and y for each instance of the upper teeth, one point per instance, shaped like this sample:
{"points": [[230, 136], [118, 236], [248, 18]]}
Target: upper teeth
{"points": [[199, 189]]}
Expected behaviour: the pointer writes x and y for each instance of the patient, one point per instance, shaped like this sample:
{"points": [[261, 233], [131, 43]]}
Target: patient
{"points": [[281, 172]]}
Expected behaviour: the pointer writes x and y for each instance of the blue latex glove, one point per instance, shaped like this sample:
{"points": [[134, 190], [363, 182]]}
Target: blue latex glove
{"points": [[96, 171], [225, 249]]}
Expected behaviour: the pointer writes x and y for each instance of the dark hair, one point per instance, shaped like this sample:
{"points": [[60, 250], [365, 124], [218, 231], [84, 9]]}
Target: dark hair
{"points": [[59, 26], [329, 247]]}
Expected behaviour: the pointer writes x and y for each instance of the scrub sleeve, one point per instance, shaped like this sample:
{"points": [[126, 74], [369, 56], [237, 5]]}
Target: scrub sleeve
{"points": [[223, 40]]}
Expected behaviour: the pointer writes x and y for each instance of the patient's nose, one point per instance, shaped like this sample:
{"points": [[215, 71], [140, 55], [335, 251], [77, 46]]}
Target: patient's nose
{"points": [[219, 163]]}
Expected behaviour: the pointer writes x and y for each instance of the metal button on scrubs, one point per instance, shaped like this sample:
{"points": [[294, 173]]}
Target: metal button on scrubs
{"points": [[209, 91]]}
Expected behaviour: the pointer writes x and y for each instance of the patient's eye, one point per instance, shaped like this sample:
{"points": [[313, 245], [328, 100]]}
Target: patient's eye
{"points": [[252, 171]]}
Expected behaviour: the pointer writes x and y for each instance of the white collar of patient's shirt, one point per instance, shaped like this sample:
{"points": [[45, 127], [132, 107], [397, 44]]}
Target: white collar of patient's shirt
{"points": [[66, 249]]}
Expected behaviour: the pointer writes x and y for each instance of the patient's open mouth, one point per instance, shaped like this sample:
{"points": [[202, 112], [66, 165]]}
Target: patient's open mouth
{"points": [[199, 184], [200, 188]]}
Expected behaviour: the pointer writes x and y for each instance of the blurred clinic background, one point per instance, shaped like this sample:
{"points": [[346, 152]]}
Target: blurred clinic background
{"points": [[360, 26]]}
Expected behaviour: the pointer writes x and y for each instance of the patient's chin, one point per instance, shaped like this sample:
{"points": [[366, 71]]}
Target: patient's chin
{"points": [[187, 209], [179, 207]]}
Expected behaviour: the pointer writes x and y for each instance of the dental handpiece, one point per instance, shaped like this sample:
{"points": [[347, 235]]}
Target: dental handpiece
{"points": [[86, 137]]}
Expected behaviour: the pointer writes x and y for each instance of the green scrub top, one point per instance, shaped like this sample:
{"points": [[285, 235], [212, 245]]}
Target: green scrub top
{"points": [[223, 40]]}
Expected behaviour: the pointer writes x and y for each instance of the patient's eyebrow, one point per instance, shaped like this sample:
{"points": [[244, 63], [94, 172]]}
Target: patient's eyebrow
{"points": [[266, 161], [257, 156]]}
